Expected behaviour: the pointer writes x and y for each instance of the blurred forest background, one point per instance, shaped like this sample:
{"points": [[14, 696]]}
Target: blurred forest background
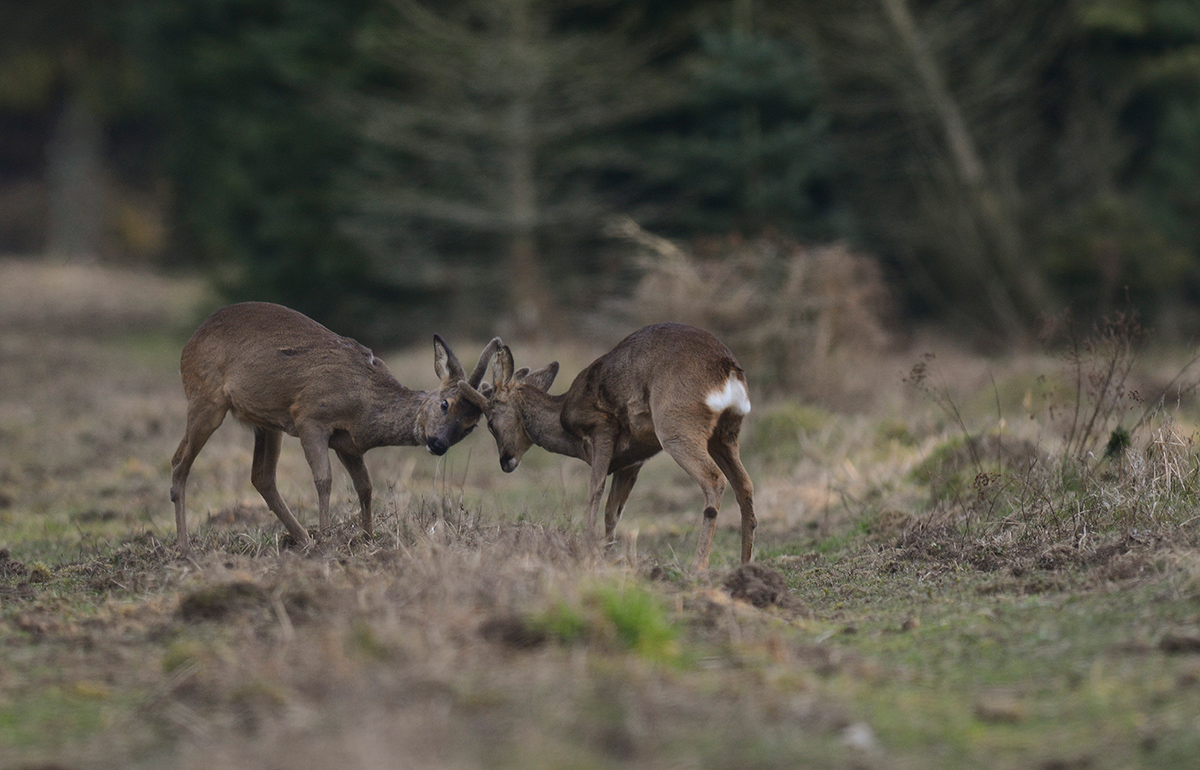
{"points": [[523, 166]]}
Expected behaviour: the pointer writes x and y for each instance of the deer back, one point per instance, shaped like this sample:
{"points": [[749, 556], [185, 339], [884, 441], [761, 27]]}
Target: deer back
{"points": [[668, 365], [267, 362], [272, 366]]}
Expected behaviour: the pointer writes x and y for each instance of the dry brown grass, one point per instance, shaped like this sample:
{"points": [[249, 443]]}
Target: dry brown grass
{"points": [[91, 298], [361, 652], [481, 628], [357, 651]]}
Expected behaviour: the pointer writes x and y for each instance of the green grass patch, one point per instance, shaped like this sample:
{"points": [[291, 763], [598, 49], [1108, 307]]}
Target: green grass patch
{"points": [[640, 621], [564, 623], [154, 348], [1002, 605], [624, 617], [963, 669], [776, 435], [55, 715]]}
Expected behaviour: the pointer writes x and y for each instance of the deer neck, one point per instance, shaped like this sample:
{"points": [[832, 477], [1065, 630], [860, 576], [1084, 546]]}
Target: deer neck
{"points": [[395, 418], [541, 414]]}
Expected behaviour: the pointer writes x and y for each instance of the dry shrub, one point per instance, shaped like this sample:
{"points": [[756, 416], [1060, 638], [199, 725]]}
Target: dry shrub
{"points": [[794, 314]]}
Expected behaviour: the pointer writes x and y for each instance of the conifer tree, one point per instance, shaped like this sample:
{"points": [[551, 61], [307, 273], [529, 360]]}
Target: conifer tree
{"points": [[487, 144]]}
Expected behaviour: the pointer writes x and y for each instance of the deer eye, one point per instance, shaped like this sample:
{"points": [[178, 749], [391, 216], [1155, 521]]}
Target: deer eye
{"points": [[445, 406]]}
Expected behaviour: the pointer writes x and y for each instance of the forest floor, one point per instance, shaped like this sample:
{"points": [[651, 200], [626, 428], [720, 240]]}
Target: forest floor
{"points": [[920, 600]]}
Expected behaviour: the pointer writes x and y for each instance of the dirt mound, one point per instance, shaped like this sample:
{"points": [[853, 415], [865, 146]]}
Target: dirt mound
{"points": [[761, 586], [10, 566], [217, 601], [515, 631]]}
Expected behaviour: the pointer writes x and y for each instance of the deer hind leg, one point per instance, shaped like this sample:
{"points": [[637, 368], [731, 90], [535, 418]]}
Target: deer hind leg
{"points": [[357, 469], [723, 447], [622, 485], [315, 440], [202, 421], [267, 443], [689, 451]]}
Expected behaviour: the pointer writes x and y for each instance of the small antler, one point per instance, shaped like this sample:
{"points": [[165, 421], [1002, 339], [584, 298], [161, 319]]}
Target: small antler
{"points": [[473, 395], [485, 358]]}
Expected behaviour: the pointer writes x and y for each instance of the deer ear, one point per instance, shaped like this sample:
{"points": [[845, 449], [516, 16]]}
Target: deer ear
{"points": [[521, 373], [485, 358], [502, 367], [543, 378], [472, 395], [445, 363]]}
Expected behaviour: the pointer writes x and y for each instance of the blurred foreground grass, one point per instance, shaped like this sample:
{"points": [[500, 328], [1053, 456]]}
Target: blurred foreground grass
{"points": [[905, 615]]}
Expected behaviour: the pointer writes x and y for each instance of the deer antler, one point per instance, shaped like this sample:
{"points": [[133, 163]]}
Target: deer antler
{"points": [[485, 358]]}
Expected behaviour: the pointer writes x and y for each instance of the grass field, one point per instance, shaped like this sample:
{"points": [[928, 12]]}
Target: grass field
{"points": [[922, 600]]}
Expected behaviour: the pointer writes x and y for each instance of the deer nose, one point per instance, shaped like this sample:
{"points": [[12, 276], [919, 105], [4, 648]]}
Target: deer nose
{"points": [[437, 446], [508, 463]]}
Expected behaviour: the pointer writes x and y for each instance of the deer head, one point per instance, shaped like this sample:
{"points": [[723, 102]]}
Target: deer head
{"points": [[506, 403], [452, 411]]}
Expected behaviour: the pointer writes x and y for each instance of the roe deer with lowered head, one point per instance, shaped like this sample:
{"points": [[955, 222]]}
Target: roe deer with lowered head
{"points": [[668, 387], [281, 372]]}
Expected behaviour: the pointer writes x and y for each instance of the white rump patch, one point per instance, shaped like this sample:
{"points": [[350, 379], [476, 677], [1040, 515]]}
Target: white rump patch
{"points": [[732, 396]]}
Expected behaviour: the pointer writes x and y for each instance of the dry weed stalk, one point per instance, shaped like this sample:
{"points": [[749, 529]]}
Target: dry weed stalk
{"points": [[1112, 471], [1172, 455], [1100, 365]]}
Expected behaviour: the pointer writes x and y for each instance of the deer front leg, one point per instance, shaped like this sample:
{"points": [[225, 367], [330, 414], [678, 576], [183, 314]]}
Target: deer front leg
{"points": [[602, 451], [622, 485], [357, 469], [315, 440]]}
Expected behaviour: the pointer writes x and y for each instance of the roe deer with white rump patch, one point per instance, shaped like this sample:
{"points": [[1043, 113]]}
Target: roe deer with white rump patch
{"points": [[280, 372], [668, 386]]}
